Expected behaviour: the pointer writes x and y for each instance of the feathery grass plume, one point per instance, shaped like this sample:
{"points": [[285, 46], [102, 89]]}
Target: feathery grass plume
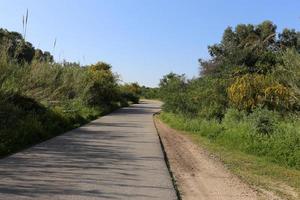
{"points": [[25, 23], [54, 45]]}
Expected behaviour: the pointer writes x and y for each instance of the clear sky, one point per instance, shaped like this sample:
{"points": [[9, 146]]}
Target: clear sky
{"points": [[141, 39]]}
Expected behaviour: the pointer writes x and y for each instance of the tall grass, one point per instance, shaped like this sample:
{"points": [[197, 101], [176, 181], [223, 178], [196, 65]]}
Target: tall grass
{"points": [[41, 99], [262, 133]]}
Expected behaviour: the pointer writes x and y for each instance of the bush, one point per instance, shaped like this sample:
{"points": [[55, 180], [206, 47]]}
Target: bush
{"points": [[150, 93], [233, 117], [210, 129], [264, 121], [262, 133], [40, 98], [131, 92], [209, 97], [24, 122], [129, 96]]}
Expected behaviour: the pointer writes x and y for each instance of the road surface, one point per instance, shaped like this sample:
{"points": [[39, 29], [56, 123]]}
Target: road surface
{"points": [[117, 156]]}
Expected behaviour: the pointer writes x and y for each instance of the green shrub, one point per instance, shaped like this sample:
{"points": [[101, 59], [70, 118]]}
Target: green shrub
{"points": [[233, 117], [150, 93], [262, 133], [40, 98], [210, 129], [264, 121], [129, 96]]}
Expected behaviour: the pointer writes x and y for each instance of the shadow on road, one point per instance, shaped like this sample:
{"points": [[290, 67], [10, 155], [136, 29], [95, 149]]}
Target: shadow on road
{"points": [[102, 160]]}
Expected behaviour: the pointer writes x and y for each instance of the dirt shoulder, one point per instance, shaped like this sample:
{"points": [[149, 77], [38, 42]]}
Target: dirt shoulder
{"points": [[198, 175]]}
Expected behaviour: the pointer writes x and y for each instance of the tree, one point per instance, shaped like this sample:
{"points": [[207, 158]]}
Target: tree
{"points": [[289, 38], [247, 48], [103, 89], [41, 56], [24, 52], [173, 90], [131, 92], [15, 47], [100, 66]]}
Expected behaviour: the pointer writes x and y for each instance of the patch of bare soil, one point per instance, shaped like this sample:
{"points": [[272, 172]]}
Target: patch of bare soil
{"points": [[198, 176]]}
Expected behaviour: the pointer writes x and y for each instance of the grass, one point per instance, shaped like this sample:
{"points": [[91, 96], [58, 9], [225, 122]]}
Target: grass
{"points": [[24, 121], [261, 172], [40, 100]]}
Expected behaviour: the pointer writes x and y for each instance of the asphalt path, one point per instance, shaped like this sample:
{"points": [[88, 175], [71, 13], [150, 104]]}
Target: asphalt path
{"points": [[117, 156]]}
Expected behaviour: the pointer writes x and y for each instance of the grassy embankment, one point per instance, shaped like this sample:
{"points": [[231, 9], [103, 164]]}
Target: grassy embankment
{"points": [[39, 101], [231, 141], [40, 98]]}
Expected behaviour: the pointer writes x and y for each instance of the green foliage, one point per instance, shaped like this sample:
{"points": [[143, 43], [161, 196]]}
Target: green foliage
{"points": [[203, 97], [131, 92], [100, 66], [289, 38], [210, 129], [25, 122], [40, 98], [233, 117], [40, 56], [209, 97], [150, 93], [251, 48], [37, 104], [102, 88], [247, 97], [15, 47], [262, 133], [288, 74], [249, 68], [264, 121], [173, 90]]}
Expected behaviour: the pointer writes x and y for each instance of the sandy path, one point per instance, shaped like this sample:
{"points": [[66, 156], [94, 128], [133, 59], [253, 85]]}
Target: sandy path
{"points": [[198, 176]]}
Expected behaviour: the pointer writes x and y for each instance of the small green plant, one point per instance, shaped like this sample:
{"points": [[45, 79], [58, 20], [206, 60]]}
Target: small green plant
{"points": [[264, 121]]}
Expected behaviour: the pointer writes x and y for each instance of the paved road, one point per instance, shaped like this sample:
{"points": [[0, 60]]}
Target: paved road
{"points": [[115, 157]]}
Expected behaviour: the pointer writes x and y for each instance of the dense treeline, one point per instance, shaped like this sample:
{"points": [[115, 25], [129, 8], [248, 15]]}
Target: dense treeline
{"points": [[40, 98], [15, 47], [247, 96], [150, 93]]}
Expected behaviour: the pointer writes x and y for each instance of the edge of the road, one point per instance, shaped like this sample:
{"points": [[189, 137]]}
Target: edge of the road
{"points": [[173, 179]]}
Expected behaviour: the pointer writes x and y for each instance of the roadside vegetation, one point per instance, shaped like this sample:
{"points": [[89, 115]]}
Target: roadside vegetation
{"points": [[246, 101], [40, 98], [150, 93]]}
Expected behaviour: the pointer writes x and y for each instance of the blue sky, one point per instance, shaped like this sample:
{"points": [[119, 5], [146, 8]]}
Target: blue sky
{"points": [[142, 39]]}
